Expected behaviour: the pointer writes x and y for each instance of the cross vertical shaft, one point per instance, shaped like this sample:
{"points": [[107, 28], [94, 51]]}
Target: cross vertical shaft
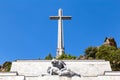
{"points": [[60, 18], [60, 46]]}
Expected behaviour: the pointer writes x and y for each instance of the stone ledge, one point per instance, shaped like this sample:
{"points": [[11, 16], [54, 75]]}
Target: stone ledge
{"points": [[83, 67], [12, 77], [74, 78], [55, 77], [62, 60], [8, 73], [112, 73]]}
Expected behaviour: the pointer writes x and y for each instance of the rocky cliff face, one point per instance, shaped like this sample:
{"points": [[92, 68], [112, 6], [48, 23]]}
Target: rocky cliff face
{"points": [[110, 42]]}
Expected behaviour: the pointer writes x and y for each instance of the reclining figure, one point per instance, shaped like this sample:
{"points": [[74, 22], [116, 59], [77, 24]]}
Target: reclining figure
{"points": [[59, 68]]}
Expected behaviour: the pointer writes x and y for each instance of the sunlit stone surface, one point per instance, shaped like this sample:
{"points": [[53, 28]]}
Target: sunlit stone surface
{"points": [[35, 69]]}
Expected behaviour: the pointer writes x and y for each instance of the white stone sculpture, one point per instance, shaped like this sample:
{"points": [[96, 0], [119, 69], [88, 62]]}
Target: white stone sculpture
{"points": [[60, 18], [58, 67]]}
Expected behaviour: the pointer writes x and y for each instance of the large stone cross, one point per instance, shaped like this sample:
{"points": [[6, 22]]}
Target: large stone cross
{"points": [[60, 17]]}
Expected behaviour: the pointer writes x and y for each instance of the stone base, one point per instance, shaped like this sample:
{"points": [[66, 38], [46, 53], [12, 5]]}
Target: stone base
{"points": [[82, 67], [112, 73], [34, 70], [8, 73], [75, 78], [59, 78], [12, 77]]}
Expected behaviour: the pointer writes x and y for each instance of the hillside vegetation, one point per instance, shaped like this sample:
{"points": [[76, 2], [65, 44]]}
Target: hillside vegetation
{"points": [[108, 51]]}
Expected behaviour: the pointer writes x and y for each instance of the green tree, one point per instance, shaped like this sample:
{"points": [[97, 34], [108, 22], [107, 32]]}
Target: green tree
{"points": [[63, 56], [71, 57], [90, 52], [111, 54], [66, 57], [49, 57], [115, 62], [6, 67], [105, 52]]}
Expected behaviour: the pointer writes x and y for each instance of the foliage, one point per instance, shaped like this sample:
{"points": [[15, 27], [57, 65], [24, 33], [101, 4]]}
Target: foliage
{"points": [[49, 57], [90, 52], [66, 57], [108, 53], [81, 57], [6, 67], [105, 52], [115, 60]]}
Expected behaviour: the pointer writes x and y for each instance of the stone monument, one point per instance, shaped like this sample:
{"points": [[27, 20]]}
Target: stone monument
{"points": [[60, 17], [37, 70], [60, 70]]}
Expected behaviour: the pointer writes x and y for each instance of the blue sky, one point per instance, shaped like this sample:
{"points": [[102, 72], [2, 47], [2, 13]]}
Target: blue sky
{"points": [[27, 33]]}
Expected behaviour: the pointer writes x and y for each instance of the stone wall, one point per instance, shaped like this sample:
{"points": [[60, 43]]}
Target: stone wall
{"points": [[33, 70], [39, 67]]}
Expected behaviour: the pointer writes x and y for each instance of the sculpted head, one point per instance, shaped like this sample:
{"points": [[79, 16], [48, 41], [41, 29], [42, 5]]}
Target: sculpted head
{"points": [[54, 61]]}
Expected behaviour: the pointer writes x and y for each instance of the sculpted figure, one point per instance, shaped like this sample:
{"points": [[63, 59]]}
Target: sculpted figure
{"points": [[58, 67]]}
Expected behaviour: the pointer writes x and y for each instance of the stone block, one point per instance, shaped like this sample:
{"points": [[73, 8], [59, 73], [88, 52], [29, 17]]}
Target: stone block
{"points": [[12, 78], [112, 73], [32, 78], [109, 77], [87, 78], [39, 67], [8, 73]]}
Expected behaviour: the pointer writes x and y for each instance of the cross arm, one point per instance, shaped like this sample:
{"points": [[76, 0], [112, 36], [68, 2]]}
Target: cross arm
{"points": [[54, 17], [58, 17], [66, 17]]}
